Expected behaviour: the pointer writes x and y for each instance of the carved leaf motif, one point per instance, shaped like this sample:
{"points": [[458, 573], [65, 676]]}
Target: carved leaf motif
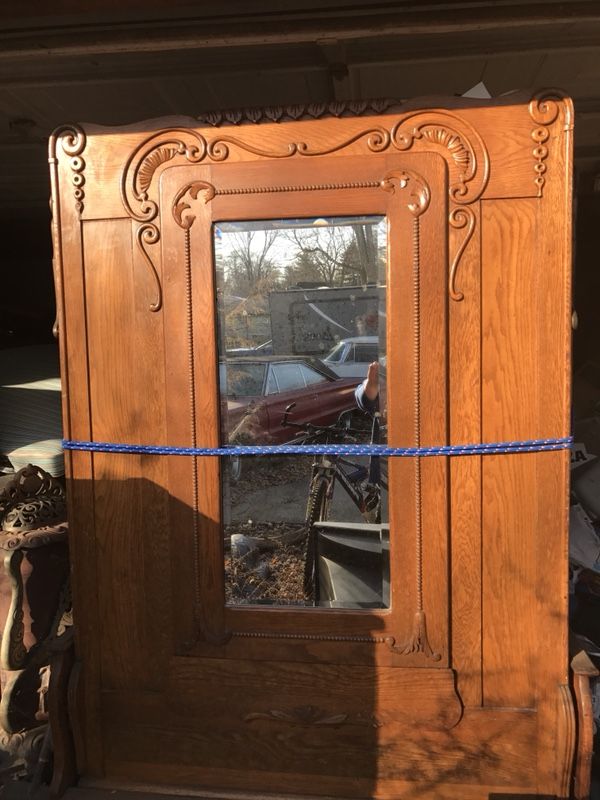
{"points": [[180, 206], [358, 106], [253, 114], [233, 116], [380, 104], [337, 109], [468, 157], [419, 192], [316, 109], [295, 112], [151, 163], [452, 142], [213, 118], [274, 113], [307, 716]]}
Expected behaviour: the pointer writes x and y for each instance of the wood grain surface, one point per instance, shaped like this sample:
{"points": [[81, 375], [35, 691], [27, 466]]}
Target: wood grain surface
{"points": [[177, 690]]}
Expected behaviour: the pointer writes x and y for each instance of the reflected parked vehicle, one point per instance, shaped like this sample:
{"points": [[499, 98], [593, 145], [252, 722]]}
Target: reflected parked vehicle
{"points": [[264, 349], [256, 391], [351, 357]]}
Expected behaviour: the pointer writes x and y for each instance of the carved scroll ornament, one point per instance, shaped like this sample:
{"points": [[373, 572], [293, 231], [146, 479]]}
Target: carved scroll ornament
{"points": [[468, 165], [33, 499], [438, 130], [32, 514], [419, 193], [72, 140], [544, 110]]}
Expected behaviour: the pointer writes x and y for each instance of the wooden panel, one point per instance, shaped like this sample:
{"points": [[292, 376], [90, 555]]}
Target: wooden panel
{"points": [[510, 411], [524, 499], [428, 696], [486, 748], [556, 714], [68, 266], [465, 473], [124, 341]]}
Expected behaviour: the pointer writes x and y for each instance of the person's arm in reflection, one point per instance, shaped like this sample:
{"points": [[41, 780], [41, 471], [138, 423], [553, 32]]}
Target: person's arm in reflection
{"points": [[367, 393]]}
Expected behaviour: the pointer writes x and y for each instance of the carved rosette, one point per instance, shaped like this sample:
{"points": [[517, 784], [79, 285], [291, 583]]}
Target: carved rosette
{"points": [[544, 110], [72, 141]]}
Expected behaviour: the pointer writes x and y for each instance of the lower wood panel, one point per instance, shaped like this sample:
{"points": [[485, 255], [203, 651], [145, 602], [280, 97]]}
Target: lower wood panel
{"points": [[428, 696], [186, 740]]}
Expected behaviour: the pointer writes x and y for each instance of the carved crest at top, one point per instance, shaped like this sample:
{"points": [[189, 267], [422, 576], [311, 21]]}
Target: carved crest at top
{"points": [[352, 108], [457, 140], [433, 130]]}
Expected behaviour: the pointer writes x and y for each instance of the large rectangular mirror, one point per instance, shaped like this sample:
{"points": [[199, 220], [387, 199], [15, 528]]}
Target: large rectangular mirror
{"points": [[301, 313]]}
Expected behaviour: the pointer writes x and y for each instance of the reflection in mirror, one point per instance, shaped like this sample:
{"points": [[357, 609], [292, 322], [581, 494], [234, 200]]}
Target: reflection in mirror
{"points": [[301, 324]]}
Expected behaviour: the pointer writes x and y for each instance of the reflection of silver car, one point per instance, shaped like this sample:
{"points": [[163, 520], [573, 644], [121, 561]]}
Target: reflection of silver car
{"points": [[350, 358]]}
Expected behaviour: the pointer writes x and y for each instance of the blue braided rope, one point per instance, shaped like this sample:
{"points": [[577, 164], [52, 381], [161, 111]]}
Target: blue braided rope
{"points": [[486, 448]]}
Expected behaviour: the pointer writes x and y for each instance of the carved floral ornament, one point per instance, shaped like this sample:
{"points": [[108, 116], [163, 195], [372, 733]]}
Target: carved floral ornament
{"points": [[437, 130], [418, 198]]}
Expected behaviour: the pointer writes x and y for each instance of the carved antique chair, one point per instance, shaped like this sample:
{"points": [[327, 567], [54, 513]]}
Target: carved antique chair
{"points": [[34, 605]]}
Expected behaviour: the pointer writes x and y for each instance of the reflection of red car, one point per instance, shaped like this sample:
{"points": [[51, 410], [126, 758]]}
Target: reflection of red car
{"points": [[256, 390]]}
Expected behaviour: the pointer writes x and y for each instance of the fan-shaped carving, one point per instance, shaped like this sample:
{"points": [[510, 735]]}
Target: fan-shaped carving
{"points": [[465, 151], [151, 163]]}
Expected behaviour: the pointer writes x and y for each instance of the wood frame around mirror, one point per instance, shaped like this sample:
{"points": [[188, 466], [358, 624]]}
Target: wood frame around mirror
{"points": [[410, 190]]}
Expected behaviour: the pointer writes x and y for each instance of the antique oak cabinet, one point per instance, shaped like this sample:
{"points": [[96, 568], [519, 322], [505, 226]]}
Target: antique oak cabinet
{"points": [[457, 685]]}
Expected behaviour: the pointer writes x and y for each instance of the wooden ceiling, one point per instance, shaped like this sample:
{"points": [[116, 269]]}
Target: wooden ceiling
{"points": [[123, 62]]}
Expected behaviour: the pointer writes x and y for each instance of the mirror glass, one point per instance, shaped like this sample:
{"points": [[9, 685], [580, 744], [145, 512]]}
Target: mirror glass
{"points": [[301, 324]]}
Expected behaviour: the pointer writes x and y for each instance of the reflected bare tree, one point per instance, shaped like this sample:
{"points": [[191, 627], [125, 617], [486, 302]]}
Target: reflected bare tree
{"points": [[248, 267], [334, 256]]}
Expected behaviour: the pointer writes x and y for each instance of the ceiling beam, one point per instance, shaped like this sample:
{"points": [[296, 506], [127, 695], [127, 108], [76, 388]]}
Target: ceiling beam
{"points": [[305, 25]]}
